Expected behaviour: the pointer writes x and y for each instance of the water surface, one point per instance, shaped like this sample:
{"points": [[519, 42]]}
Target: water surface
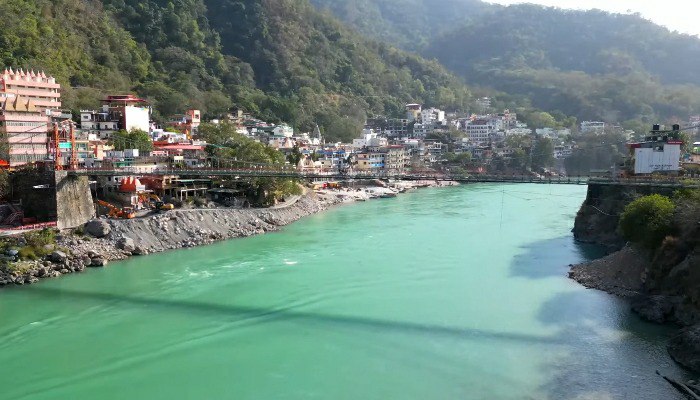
{"points": [[457, 293]]}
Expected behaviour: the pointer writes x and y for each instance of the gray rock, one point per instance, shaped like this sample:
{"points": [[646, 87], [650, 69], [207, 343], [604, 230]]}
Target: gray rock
{"points": [[58, 257], [139, 251], [126, 244], [98, 228], [685, 348], [657, 309], [98, 262]]}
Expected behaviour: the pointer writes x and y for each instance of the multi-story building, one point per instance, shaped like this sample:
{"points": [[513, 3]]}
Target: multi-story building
{"points": [[396, 159], [187, 123], [480, 130], [120, 112], [431, 115], [413, 112], [397, 127], [593, 127], [28, 100]]}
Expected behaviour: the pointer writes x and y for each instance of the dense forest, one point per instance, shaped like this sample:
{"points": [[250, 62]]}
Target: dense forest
{"points": [[409, 24], [587, 64], [282, 60]]}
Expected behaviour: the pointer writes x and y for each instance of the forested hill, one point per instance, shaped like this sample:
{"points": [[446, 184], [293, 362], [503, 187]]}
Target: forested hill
{"points": [[592, 65], [409, 24], [280, 59]]}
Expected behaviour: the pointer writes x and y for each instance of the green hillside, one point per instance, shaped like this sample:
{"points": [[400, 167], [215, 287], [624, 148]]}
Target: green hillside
{"points": [[592, 65], [409, 24], [281, 60]]}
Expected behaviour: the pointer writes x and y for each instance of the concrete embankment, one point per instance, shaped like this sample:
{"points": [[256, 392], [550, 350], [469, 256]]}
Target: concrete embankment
{"points": [[106, 240]]}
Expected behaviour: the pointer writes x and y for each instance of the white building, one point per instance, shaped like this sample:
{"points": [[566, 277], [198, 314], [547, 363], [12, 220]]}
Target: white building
{"points": [[652, 157], [283, 130], [431, 116], [593, 127], [480, 130], [369, 139]]}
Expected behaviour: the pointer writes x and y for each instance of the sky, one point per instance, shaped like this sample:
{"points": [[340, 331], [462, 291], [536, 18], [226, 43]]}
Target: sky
{"points": [[677, 15]]}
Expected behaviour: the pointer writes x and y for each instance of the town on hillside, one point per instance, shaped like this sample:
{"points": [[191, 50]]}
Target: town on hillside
{"points": [[120, 134]]}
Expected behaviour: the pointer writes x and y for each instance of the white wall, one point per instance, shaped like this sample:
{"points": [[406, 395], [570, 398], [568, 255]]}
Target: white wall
{"points": [[137, 118], [647, 160]]}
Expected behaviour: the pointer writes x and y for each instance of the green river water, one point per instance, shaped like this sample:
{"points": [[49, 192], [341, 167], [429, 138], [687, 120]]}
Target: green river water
{"points": [[455, 293]]}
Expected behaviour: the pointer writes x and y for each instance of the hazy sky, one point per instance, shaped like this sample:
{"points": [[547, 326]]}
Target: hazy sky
{"points": [[678, 15]]}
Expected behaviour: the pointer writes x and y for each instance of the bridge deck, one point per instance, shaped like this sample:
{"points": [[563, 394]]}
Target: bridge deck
{"points": [[292, 174]]}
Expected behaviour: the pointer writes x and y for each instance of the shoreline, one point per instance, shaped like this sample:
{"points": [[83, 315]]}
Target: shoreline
{"points": [[108, 240]]}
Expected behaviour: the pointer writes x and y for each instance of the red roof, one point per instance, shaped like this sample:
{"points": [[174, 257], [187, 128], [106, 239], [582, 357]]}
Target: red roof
{"points": [[176, 146]]}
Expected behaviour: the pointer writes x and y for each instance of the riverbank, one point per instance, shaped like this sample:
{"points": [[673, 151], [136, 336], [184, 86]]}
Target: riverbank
{"points": [[662, 284], [102, 241]]}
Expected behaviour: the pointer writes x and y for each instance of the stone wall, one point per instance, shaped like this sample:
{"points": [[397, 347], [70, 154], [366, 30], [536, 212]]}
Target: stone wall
{"points": [[74, 206], [33, 188]]}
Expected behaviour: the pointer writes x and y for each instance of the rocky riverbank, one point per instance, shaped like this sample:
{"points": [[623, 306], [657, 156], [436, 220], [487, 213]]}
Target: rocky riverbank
{"points": [[102, 241], [663, 285]]}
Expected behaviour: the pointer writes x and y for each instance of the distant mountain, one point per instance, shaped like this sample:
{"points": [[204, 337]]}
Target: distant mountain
{"points": [[590, 64], [409, 24]]}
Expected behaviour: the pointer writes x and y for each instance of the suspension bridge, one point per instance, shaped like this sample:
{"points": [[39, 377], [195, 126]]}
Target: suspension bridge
{"points": [[292, 173]]}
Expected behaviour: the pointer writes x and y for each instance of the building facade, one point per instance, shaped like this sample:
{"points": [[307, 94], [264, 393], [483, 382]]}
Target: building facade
{"points": [[28, 100]]}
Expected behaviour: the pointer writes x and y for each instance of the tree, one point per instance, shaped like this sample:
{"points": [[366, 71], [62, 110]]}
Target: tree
{"points": [[543, 153], [647, 220], [295, 156], [134, 139]]}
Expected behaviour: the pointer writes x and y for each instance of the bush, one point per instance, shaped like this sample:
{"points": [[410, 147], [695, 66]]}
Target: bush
{"points": [[647, 220]]}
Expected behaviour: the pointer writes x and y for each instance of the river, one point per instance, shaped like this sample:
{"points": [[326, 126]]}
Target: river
{"points": [[453, 293]]}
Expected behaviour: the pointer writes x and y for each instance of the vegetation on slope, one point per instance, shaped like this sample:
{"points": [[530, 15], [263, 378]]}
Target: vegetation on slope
{"points": [[281, 60], [409, 24]]}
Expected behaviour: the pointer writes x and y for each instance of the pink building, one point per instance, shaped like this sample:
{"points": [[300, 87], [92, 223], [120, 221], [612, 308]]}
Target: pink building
{"points": [[28, 99]]}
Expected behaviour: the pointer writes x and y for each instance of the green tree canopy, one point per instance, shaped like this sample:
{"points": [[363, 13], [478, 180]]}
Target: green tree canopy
{"points": [[647, 220]]}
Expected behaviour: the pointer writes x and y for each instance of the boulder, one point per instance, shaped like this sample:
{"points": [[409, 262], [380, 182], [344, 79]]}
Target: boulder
{"points": [[658, 309], [98, 228], [126, 244], [139, 251], [58, 257], [98, 262], [685, 348]]}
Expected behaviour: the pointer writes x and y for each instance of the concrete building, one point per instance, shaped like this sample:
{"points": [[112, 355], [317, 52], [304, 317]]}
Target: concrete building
{"points": [[28, 100], [480, 130], [431, 116], [396, 128], [119, 112], [593, 127], [413, 112], [656, 156], [187, 123]]}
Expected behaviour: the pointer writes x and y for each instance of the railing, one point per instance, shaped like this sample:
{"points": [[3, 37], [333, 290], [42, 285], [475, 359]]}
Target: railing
{"points": [[31, 227]]}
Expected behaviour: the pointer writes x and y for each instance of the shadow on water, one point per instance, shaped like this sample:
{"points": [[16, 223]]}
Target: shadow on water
{"points": [[610, 350], [549, 258], [245, 313], [611, 353]]}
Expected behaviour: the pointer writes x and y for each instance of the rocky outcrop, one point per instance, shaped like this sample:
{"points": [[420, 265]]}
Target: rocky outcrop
{"points": [[620, 273], [597, 220], [126, 244]]}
